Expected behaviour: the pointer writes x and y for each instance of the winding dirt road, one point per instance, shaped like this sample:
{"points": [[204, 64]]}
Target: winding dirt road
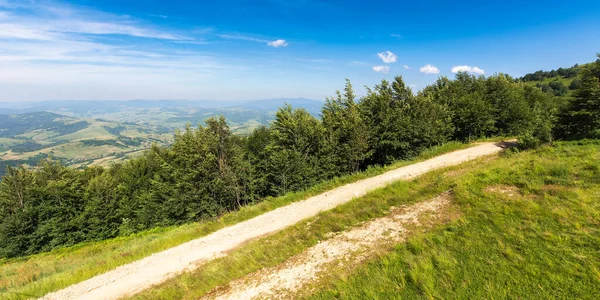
{"points": [[139, 275]]}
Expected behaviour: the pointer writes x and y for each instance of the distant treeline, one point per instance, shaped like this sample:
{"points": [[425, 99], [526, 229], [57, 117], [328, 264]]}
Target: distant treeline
{"points": [[209, 171], [29, 146], [120, 142], [571, 72], [16, 125]]}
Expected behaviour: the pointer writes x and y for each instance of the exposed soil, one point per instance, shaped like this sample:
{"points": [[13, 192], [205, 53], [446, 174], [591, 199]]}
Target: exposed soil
{"points": [[345, 249]]}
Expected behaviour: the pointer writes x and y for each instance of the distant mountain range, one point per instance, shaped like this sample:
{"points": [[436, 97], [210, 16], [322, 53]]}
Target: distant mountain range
{"points": [[92, 107]]}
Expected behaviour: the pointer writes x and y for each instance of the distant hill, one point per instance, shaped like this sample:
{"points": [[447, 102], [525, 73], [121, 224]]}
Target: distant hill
{"points": [[81, 133], [560, 82], [91, 108], [29, 137], [243, 116]]}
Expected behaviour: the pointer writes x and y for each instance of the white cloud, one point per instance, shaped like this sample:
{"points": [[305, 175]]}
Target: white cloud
{"points": [[398, 36], [478, 70], [277, 43], [381, 69], [467, 69], [429, 69], [38, 21], [387, 57], [60, 52], [406, 67]]}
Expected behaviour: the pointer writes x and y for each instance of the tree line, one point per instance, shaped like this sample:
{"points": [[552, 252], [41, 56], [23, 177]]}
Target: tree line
{"points": [[541, 75], [208, 171]]}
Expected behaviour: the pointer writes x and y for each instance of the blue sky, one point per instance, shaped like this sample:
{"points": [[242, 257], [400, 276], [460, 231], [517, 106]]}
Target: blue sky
{"points": [[242, 49]]}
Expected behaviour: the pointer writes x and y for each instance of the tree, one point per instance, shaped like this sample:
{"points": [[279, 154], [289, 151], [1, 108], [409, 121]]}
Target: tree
{"points": [[472, 115], [346, 133], [558, 88], [296, 142], [581, 119], [257, 156], [575, 84], [401, 124], [537, 128]]}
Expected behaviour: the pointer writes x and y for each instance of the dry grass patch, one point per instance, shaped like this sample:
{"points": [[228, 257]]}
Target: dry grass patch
{"points": [[504, 190]]}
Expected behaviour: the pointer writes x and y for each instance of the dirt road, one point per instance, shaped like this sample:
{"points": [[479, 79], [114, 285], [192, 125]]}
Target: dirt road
{"points": [[346, 249], [139, 275]]}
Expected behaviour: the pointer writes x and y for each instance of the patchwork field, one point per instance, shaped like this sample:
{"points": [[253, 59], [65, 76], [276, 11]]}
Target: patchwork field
{"points": [[27, 138]]}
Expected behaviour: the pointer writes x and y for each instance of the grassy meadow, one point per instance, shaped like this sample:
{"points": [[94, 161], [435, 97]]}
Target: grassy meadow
{"points": [[37, 275], [528, 227], [530, 230]]}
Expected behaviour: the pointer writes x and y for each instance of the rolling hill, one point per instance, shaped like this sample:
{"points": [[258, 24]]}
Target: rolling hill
{"points": [[29, 137], [560, 82], [83, 133], [173, 114]]}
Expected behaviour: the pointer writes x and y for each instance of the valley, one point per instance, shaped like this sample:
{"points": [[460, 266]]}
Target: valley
{"points": [[100, 133]]}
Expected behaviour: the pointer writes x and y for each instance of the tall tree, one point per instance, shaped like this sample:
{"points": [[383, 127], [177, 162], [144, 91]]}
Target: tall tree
{"points": [[346, 132], [581, 119], [296, 141]]}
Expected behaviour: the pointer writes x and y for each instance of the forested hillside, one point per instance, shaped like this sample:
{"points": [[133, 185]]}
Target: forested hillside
{"points": [[560, 82], [208, 170]]}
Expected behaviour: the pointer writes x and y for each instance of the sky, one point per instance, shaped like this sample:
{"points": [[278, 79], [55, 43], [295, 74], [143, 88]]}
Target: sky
{"points": [[261, 49]]}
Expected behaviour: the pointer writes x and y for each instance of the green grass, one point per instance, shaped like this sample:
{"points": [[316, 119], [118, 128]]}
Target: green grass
{"points": [[46, 272], [272, 250], [530, 229], [94, 130]]}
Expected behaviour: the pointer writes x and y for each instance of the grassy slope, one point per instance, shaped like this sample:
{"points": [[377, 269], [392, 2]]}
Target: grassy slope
{"points": [[42, 273], [530, 228], [541, 242], [275, 249]]}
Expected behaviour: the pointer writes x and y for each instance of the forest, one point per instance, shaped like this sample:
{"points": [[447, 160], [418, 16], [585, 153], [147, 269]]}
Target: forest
{"points": [[208, 171]]}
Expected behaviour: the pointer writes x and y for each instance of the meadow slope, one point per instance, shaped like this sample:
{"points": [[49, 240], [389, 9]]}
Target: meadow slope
{"points": [[162, 266]]}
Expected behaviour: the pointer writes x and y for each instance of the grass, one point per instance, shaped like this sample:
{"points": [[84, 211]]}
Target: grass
{"points": [[39, 274], [272, 250], [530, 229]]}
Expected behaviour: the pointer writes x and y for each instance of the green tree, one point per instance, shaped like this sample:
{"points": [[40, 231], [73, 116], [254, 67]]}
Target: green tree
{"points": [[257, 156], [401, 124], [473, 117], [581, 119], [346, 132], [296, 142]]}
